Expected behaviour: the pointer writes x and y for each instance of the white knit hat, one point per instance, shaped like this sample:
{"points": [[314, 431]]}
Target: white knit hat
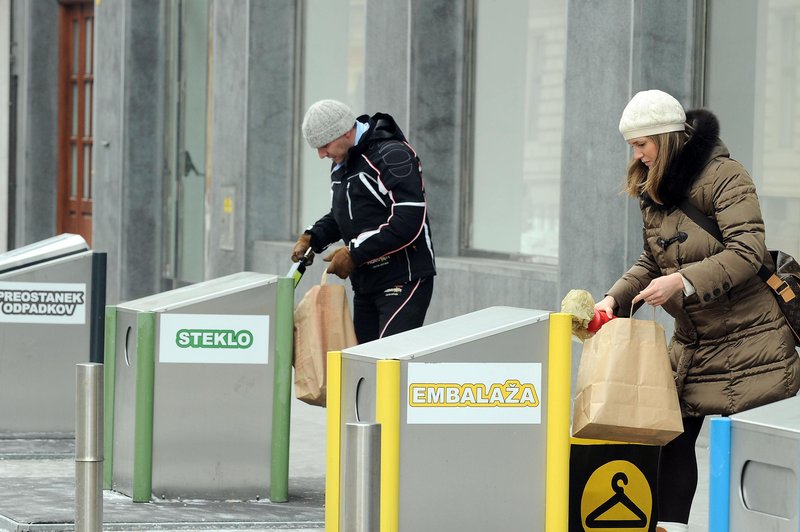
{"points": [[650, 113], [326, 120]]}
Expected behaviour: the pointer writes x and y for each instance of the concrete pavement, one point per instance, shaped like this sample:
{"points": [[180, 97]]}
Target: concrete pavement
{"points": [[37, 490], [698, 518]]}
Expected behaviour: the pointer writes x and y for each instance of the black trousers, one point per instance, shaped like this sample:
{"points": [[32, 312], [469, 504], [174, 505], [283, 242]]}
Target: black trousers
{"points": [[398, 308], [677, 474]]}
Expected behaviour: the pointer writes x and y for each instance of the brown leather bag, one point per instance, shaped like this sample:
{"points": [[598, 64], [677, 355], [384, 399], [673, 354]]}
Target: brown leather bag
{"points": [[784, 281]]}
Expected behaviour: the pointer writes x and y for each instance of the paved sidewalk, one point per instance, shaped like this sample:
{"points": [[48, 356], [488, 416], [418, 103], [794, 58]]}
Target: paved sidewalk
{"points": [[37, 490], [698, 518]]}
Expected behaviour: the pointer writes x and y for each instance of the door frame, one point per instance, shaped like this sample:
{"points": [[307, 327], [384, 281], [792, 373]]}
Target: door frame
{"points": [[66, 204]]}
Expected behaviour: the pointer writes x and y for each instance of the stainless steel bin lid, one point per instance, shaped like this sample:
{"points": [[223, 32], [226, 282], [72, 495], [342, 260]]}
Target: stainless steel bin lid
{"points": [[779, 417], [51, 248], [203, 291], [417, 343]]}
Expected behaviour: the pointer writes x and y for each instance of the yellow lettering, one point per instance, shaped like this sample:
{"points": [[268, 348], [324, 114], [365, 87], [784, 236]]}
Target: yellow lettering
{"points": [[509, 394]]}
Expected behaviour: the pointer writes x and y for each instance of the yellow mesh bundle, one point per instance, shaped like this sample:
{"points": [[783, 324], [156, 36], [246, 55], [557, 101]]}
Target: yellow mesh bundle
{"points": [[580, 304]]}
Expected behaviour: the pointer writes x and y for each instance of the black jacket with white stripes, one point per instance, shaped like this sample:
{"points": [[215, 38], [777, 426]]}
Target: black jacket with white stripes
{"points": [[378, 208]]}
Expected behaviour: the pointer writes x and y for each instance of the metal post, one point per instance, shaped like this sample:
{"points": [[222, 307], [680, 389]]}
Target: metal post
{"points": [[362, 478], [89, 448]]}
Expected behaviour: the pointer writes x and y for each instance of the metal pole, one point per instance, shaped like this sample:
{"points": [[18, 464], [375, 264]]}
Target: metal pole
{"points": [[89, 448], [362, 478]]}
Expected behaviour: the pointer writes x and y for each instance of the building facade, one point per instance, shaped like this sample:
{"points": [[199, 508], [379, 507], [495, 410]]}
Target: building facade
{"points": [[168, 131]]}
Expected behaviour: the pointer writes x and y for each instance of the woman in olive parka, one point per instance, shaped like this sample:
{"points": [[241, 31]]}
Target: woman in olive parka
{"points": [[732, 349]]}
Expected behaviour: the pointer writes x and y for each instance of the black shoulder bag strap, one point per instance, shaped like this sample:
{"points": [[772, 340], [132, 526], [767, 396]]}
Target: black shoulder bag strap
{"points": [[711, 227]]}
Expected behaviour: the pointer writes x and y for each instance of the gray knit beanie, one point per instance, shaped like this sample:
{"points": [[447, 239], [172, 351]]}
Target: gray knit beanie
{"points": [[326, 120], [650, 113]]}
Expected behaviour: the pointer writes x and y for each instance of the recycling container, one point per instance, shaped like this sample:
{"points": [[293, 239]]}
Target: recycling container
{"points": [[466, 414], [764, 468], [52, 299], [198, 384]]}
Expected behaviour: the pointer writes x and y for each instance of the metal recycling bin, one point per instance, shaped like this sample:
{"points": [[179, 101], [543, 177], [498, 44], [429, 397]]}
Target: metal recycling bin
{"points": [[765, 468], [52, 299], [198, 390], [463, 408]]}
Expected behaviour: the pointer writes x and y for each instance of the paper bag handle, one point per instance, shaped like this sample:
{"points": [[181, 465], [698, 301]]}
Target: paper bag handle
{"points": [[324, 278], [637, 310]]}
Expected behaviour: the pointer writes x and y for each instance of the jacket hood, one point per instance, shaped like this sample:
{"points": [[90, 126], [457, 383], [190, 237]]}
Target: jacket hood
{"points": [[703, 145], [382, 127]]}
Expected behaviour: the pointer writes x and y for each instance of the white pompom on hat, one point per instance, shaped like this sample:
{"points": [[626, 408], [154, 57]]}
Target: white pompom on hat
{"points": [[651, 113], [326, 120]]}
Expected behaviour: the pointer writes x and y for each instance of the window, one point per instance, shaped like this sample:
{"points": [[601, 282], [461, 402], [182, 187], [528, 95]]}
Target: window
{"points": [[752, 85], [333, 68], [517, 127]]}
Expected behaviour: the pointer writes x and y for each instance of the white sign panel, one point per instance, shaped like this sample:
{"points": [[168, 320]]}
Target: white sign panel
{"points": [[470, 393], [54, 303], [213, 339]]}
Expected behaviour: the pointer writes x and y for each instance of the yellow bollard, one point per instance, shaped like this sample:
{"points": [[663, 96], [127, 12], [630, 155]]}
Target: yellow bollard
{"points": [[388, 415], [333, 441], [558, 427]]}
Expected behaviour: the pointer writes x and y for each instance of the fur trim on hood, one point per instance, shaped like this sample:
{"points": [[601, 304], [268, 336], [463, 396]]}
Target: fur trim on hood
{"points": [[687, 166]]}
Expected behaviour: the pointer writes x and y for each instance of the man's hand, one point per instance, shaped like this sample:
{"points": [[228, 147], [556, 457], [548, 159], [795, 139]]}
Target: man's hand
{"points": [[341, 263], [303, 243]]}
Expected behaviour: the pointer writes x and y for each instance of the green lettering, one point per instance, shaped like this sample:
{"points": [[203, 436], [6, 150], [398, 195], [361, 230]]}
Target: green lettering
{"points": [[214, 338]]}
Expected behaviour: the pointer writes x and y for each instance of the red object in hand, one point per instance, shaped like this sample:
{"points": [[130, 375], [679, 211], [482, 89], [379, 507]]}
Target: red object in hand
{"points": [[600, 319]]}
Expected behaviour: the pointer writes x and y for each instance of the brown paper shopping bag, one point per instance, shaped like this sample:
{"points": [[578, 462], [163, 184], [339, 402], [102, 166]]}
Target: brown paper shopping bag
{"points": [[625, 389], [322, 323]]}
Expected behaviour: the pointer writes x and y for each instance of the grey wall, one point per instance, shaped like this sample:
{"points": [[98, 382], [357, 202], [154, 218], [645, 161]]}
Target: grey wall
{"points": [[664, 47], [36, 69], [386, 62], [271, 118], [129, 95], [227, 137], [436, 122], [251, 137], [595, 217]]}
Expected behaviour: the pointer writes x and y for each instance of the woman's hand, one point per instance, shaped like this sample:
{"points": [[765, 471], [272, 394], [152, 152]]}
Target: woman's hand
{"points": [[607, 305], [660, 290]]}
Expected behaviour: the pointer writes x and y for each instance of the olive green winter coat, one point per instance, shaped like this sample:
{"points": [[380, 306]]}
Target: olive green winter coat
{"points": [[732, 349]]}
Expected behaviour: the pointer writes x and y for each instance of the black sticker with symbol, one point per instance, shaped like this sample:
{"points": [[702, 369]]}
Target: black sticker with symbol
{"points": [[612, 487]]}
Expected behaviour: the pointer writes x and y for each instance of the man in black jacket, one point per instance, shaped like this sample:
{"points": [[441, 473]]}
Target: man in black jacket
{"points": [[379, 210]]}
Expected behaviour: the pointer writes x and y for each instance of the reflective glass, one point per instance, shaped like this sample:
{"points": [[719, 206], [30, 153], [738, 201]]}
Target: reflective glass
{"points": [[89, 37], [334, 38], [87, 171], [73, 189], [518, 124], [76, 46], [752, 82]]}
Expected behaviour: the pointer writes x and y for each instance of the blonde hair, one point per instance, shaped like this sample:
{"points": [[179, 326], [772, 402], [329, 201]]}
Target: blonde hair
{"points": [[644, 180]]}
